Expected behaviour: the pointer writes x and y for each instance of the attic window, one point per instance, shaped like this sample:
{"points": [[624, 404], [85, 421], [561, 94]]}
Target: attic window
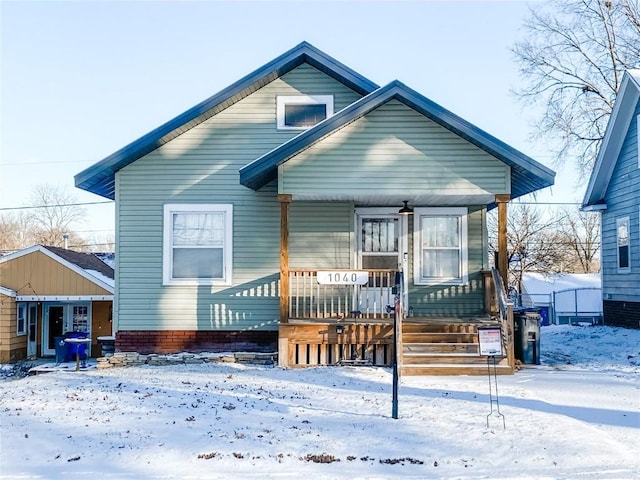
{"points": [[300, 112]]}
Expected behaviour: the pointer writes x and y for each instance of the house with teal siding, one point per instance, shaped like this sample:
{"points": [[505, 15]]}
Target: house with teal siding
{"points": [[614, 191], [303, 209]]}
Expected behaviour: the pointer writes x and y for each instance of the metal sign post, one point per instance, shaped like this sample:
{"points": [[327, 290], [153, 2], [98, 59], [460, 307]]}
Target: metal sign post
{"points": [[397, 317], [490, 340]]}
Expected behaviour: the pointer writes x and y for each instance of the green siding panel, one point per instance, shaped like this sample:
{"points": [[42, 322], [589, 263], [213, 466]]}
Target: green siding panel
{"points": [[201, 166], [394, 150], [320, 235]]}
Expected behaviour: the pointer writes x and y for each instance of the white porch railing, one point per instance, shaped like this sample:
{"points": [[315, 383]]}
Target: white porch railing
{"points": [[309, 299]]}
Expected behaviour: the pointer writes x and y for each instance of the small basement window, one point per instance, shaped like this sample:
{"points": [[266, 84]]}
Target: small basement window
{"points": [[299, 112]]}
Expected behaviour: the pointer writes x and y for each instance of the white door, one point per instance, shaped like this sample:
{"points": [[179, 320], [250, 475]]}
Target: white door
{"points": [[32, 329], [380, 246]]}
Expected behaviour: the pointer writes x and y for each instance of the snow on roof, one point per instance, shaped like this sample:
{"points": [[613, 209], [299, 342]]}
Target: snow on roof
{"points": [[100, 276], [540, 283], [565, 291]]}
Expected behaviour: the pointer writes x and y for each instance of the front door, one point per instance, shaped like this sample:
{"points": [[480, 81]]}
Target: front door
{"points": [[32, 329], [380, 246], [53, 326]]}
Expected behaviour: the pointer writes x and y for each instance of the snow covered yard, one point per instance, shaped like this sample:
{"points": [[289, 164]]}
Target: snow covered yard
{"points": [[575, 416]]}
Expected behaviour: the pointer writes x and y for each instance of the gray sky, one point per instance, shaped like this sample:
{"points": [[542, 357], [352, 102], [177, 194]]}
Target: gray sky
{"points": [[81, 79]]}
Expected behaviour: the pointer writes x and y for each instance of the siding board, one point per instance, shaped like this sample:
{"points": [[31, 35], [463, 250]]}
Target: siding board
{"points": [[623, 199], [424, 157], [201, 166]]}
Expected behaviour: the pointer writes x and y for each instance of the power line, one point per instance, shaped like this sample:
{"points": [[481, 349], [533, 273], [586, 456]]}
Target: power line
{"points": [[59, 205]]}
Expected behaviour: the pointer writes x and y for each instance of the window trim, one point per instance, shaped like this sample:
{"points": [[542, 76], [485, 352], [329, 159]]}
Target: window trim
{"points": [[25, 307], [283, 100], [619, 221], [460, 212], [167, 247]]}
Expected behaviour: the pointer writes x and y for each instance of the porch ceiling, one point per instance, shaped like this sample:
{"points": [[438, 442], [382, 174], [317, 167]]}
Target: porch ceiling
{"points": [[374, 200]]}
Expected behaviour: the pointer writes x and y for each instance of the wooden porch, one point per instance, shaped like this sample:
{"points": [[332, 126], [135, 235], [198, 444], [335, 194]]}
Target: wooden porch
{"points": [[350, 319], [351, 325]]}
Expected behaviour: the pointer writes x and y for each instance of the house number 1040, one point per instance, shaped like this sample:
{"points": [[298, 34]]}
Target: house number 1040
{"points": [[343, 277]]}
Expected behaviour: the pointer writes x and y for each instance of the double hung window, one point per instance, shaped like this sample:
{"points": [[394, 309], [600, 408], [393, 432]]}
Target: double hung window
{"points": [[622, 234], [440, 246], [21, 326], [197, 244]]}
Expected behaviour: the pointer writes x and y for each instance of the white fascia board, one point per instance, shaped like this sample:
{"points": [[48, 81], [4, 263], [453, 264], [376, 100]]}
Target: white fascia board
{"points": [[7, 292], [63, 298], [616, 131], [598, 207]]}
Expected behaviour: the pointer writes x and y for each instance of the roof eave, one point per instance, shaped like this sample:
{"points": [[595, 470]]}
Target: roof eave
{"points": [[617, 126], [264, 169], [99, 178]]}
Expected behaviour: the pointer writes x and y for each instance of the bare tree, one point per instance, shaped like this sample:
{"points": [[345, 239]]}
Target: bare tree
{"points": [[14, 231], [573, 58], [55, 216], [532, 242], [580, 236]]}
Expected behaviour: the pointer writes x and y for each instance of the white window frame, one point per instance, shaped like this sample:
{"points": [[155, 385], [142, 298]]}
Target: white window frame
{"points": [[167, 245], [284, 100], [638, 138], [24, 306], [461, 213], [620, 221]]}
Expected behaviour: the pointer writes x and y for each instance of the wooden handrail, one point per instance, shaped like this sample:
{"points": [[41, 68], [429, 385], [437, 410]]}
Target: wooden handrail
{"points": [[505, 315]]}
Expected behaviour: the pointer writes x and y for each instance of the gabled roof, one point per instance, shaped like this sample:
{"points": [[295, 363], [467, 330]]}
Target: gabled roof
{"points": [[617, 127], [100, 177], [81, 263], [527, 175]]}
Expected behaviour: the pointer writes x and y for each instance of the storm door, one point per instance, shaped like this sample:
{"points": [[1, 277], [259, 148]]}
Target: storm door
{"points": [[32, 329], [379, 250], [53, 326]]}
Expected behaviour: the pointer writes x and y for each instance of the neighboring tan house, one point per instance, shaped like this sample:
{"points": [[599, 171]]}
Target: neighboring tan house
{"points": [[46, 292], [614, 191], [271, 216]]}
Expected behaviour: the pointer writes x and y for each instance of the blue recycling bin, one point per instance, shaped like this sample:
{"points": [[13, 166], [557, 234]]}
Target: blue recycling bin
{"points": [[61, 349], [76, 348]]}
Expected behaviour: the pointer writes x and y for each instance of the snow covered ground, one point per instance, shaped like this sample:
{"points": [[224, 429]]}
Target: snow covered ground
{"points": [[576, 416]]}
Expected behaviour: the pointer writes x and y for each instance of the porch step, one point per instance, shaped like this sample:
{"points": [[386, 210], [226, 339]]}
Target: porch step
{"points": [[453, 369], [440, 348], [445, 347], [439, 337]]}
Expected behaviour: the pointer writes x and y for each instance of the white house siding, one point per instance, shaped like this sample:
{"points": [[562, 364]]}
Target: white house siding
{"points": [[623, 199], [394, 150], [201, 166]]}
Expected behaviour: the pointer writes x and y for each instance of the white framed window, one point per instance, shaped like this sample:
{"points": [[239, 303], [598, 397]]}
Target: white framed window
{"points": [[622, 242], [197, 244], [440, 246], [299, 112], [80, 318], [638, 138], [21, 326]]}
